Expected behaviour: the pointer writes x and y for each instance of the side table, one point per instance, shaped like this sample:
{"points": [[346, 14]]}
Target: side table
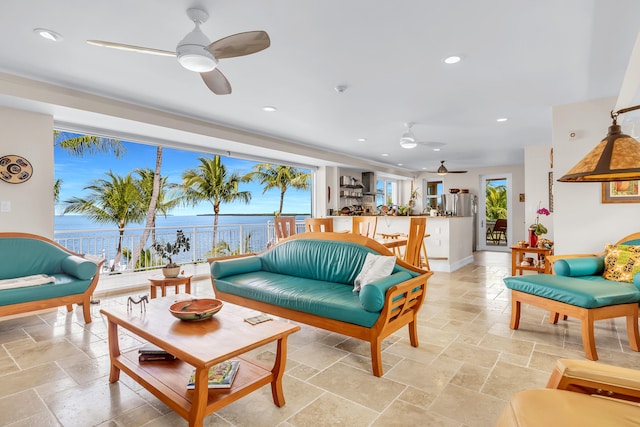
{"points": [[518, 255], [163, 282]]}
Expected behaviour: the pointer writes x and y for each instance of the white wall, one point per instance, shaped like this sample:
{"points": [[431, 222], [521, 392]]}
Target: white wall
{"points": [[29, 135], [536, 178], [582, 223]]}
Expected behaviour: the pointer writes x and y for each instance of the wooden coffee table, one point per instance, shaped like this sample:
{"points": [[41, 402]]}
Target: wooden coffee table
{"points": [[199, 345]]}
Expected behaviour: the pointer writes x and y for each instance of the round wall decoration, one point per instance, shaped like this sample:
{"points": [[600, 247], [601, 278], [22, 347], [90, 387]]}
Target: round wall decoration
{"points": [[15, 169]]}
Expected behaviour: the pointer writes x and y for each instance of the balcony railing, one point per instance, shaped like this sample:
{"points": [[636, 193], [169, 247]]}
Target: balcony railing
{"points": [[231, 239]]}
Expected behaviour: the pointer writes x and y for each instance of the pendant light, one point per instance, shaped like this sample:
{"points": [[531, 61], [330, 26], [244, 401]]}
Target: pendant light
{"points": [[616, 158]]}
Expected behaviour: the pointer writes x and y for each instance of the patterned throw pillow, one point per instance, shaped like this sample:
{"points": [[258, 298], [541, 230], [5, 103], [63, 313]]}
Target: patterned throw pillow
{"points": [[621, 262]]}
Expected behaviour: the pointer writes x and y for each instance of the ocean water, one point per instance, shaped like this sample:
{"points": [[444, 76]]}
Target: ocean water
{"points": [[244, 233], [81, 222]]}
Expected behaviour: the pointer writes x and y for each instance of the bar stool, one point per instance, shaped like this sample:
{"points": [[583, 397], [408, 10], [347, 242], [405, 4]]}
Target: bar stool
{"points": [[364, 225], [318, 224]]}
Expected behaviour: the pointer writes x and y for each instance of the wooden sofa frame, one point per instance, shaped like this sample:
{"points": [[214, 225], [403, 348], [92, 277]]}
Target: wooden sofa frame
{"points": [[83, 299], [586, 315], [395, 314]]}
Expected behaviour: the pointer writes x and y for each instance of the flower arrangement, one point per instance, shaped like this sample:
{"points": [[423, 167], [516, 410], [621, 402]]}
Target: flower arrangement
{"points": [[538, 228]]}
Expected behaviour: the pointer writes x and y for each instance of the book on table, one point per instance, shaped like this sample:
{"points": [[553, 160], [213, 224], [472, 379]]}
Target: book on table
{"points": [[152, 353], [221, 375]]}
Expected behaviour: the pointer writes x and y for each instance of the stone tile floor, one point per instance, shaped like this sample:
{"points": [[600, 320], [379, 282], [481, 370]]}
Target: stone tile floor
{"points": [[54, 368]]}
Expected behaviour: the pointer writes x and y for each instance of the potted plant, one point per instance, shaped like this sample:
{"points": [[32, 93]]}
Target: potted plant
{"points": [[537, 229], [413, 196], [168, 249]]}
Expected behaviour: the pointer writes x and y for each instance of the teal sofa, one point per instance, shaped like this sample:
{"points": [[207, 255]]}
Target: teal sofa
{"points": [[74, 277], [309, 278], [577, 288]]}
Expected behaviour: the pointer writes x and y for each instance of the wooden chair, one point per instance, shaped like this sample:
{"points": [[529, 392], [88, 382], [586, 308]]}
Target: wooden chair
{"points": [[364, 225], [285, 226], [499, 231], [318, 224], [415, 241]]}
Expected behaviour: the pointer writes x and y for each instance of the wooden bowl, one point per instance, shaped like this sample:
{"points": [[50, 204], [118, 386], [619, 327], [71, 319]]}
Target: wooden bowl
{"points": [[196, 309]]}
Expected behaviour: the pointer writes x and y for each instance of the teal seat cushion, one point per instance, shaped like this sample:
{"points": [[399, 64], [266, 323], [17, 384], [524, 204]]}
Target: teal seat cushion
{"points": [[582, 266], [326, 299], [591, 293], [64, 285]]}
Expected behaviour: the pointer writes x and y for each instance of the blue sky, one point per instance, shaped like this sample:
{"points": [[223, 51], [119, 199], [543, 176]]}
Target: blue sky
{"points": [[78, 172]]}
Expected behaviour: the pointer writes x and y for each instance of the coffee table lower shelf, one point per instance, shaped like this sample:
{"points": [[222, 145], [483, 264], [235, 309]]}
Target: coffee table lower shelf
{"points": [[168, 381]]}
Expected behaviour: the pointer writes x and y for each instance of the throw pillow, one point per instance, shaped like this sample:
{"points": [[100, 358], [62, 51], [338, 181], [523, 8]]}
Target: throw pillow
{"points": [[621, 262], [375, 267]]}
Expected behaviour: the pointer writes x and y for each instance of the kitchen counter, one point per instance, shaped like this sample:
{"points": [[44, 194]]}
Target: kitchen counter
{"points": [[449, 246]]}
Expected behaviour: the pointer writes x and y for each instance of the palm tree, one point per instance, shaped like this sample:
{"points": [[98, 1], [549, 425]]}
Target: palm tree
{"points": [[496, 200], [79, 145], [56, 190], [211, 182], [280, 177], [153, 190], [113, 200]]}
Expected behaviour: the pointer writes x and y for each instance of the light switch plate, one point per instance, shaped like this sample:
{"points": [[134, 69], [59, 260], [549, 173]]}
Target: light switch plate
{"points": [[5, 206]]}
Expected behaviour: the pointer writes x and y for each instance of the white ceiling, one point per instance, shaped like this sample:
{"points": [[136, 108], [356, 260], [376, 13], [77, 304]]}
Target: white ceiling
{"points": [[520, 58]]}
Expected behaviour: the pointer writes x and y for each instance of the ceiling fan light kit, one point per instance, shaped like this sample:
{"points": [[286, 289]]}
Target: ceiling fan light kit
{"points": [[408, 139], [615, 158], [442, 170]]}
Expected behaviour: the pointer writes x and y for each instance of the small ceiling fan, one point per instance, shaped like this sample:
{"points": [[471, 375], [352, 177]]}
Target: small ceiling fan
{"points": [[195, 52], [442, 170], [408, 140]]}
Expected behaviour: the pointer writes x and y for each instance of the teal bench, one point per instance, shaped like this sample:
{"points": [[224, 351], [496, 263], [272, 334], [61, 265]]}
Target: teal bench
{"points": [[577, 289], [23, 254], [309, 277]]}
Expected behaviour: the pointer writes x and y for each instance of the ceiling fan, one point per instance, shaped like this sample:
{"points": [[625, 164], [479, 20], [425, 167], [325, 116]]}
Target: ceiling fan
{"points": [[442, 170], [195, 52], [408, 140]]}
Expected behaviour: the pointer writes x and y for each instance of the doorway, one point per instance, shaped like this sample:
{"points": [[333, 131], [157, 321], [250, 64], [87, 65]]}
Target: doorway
{"points": [[494, 213]]}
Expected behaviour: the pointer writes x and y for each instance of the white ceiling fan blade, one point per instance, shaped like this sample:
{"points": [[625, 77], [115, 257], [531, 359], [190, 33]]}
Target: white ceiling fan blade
{"points": [[131, 48], [631, 80], [216, 82], [240, 44]]}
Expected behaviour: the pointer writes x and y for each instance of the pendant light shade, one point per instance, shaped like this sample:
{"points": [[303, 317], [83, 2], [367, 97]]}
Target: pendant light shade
{"points": [[442, 170], [616, 158]]}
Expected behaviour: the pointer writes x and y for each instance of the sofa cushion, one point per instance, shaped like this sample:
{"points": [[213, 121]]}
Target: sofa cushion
{"points": [[583, 266], [579, 292], [373, 294], [29, 256], [375, 267], [63, 285], [233, 266], [79, 267], [322, 260], [326, 299], [621, 262]]}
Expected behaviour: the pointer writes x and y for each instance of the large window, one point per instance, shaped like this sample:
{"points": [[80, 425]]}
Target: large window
{"points": [[432, 199], [386, 193]]}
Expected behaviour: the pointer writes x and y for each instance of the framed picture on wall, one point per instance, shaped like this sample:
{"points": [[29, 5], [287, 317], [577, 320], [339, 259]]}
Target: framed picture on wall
{"points": [[621, 192]]}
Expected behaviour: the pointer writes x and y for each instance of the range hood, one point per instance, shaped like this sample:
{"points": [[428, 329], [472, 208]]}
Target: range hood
{"points": [[368, 183]]}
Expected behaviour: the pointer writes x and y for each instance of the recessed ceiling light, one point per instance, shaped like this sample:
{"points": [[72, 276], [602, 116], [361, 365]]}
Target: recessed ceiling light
{"points": [[48, 34], [362, 139], [436, 149], [424, 169], [452, 59], [400, 164], [501, 119], [385, 155], [269, 108]]}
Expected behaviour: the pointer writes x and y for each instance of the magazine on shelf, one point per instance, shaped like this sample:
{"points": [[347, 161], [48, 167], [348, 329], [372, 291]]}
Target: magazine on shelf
{"points": [[152, 353], [221, 375]]}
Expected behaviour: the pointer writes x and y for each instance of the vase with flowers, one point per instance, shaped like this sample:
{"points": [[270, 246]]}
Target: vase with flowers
{"points": [[537, 229]]}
